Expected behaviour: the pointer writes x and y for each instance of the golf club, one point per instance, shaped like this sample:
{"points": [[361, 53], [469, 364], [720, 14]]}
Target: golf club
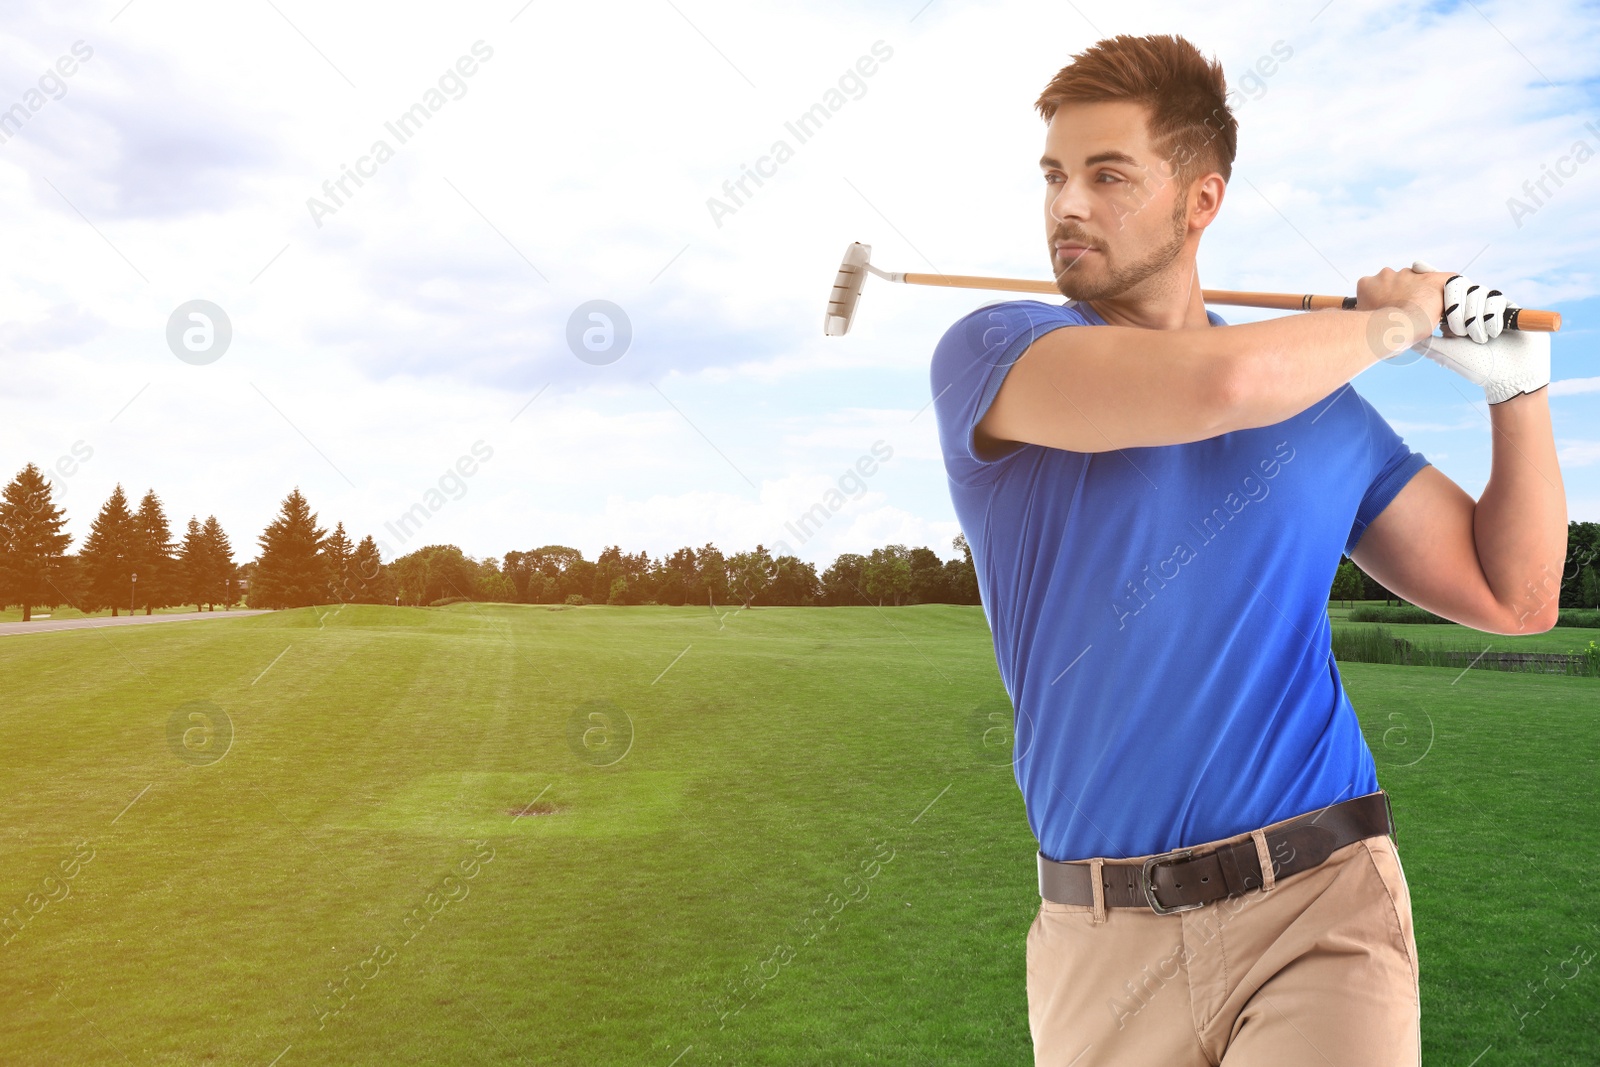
{"points": [[858, 260]]}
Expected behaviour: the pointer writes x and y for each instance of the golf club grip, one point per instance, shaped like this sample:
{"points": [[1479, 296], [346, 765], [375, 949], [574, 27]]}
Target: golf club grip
{"points": [[1516, 319]]}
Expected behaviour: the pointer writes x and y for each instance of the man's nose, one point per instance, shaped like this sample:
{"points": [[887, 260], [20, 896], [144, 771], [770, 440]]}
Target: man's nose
{"points": [[1070, 202]]}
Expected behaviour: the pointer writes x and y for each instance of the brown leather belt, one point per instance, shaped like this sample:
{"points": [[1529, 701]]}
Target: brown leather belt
{"points": [[1185, 878]]}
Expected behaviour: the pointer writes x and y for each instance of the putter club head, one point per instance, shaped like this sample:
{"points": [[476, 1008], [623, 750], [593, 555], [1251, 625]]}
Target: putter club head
{"points": [[846, 290]]}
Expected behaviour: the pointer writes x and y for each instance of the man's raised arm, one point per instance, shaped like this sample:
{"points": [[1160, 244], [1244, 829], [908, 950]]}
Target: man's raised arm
{"points": [[1106, 387]]}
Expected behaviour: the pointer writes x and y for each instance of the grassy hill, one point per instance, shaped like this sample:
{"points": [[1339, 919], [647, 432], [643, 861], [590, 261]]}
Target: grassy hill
{"points": [[509, 834]]}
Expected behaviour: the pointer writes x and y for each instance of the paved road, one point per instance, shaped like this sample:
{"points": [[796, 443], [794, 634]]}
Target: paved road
{"points": [[44, 625]]}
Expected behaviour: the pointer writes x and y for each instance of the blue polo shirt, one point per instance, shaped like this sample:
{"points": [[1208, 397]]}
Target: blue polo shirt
{"points": [[1160, 614]]}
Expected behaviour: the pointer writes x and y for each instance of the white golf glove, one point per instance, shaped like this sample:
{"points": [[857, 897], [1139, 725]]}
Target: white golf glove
{"points": [[1476, 345]]}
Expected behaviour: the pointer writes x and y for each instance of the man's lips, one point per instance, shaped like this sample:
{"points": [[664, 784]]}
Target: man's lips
{"points": [[1069, 250]]}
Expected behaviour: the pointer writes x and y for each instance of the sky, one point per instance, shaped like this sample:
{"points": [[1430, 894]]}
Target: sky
{"points": [[418, 335]]}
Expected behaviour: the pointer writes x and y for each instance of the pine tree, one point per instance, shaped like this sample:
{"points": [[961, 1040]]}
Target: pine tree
{"points": [[222, 574], [107, 556], [31, 542], [291, 571], [338, 552], [369, 578], [193, 563], [154, 556]]}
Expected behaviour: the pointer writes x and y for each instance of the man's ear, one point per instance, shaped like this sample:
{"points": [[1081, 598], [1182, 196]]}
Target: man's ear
{"points": [[1205, 199]]}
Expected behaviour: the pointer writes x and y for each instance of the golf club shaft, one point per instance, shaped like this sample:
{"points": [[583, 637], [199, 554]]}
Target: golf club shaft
{"points": [[1522, 319]]}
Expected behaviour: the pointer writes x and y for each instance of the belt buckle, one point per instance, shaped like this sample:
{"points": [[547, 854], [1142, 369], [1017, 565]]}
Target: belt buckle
{"points": [[1149, 888]]}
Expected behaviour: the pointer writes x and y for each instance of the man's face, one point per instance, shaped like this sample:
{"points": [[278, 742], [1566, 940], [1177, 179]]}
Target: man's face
{"points": [[1114, 215]]}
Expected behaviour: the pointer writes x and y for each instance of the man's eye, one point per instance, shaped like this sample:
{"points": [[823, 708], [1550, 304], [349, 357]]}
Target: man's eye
{"points": [[1050, 179], [1107, 174]]}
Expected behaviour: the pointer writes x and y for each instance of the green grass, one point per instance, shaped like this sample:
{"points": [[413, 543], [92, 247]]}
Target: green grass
{"points": [[1493, 776], [776, 758]]}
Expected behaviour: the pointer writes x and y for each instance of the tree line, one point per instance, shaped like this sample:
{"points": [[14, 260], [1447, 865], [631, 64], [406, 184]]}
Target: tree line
{"points": [[301, 563], [131, 558]]}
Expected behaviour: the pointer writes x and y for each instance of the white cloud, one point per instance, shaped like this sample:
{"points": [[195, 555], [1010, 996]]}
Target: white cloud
{"points": [[1578, 454], [1574, 386], [372, 351]]}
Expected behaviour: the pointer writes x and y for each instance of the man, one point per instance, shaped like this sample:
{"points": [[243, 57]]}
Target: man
{"points": [[1157, 503]]}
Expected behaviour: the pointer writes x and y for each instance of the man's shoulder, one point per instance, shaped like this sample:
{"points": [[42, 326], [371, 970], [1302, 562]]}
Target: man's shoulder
{"points": [[1023, 310], [990, 333]]}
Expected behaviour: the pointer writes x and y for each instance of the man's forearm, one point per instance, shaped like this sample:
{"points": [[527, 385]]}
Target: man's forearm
{"points": [[1282, 366], [1520, 521]]}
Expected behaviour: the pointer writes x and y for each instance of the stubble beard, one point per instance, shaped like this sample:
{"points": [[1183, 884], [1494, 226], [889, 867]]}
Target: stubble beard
{"points": [[1076, 285]]}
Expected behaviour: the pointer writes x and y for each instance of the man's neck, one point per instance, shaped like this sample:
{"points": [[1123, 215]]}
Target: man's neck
{"points": [[1171, 300]]}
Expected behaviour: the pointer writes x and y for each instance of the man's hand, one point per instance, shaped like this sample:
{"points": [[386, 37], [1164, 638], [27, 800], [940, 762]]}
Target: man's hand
{"points": [[1505, 364], [1414, 298]]}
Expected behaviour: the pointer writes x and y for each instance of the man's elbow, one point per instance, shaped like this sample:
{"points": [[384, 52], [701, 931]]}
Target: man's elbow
{"points": [[1532, 618], [1537, 609], [1545, 621]]}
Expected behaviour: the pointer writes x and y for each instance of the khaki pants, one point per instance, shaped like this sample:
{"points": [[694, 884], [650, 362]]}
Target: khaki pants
{"points": [[1319, 969]]}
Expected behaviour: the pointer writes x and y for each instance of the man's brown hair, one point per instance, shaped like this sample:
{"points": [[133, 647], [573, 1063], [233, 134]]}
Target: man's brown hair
{"points": [[1184, 94]]}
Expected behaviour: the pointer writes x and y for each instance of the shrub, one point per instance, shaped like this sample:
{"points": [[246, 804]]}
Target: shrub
{"points": [[1579, 618], [442, 601], [578, 599]]}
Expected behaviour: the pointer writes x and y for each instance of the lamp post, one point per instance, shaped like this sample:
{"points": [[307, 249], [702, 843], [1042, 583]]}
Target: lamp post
{"points": [[133, 594]]}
